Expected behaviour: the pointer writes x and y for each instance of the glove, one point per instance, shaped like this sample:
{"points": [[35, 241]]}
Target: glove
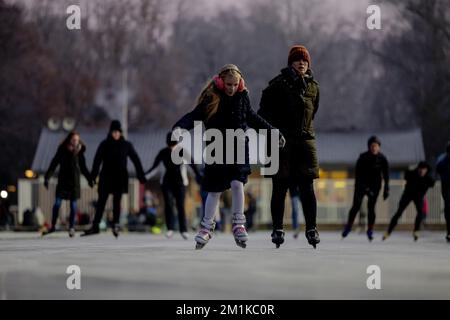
{"points": [[46, 184], [385, 194]]}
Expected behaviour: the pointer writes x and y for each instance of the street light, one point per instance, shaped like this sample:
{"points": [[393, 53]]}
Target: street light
{"points": [[30, 174], [4, 194]]}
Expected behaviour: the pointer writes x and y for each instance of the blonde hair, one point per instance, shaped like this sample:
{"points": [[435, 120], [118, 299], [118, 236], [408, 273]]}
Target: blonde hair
{"points": [[211, 92]]}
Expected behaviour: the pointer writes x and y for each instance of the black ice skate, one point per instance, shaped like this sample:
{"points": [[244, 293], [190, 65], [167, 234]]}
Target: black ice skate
{"points": [[93, 230], [46, 232], [313, 237], [115, 231], [278, 237]]}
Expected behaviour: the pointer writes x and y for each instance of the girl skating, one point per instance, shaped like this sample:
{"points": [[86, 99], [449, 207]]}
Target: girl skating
{"points": [[71, 161], [224, 104]]}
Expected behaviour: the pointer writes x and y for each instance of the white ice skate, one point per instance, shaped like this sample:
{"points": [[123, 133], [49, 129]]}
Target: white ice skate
{"points": [[239, 232], [203, 236]]}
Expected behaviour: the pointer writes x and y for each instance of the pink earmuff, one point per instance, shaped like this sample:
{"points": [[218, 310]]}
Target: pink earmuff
{"points": [[218, 81]]}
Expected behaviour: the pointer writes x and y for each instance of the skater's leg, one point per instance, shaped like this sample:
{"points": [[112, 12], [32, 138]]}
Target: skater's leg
{"points": [[404, 201], [207, 224], [279, 189], [117, 197], [73, 212], [371, 203], [101, 203], [211, 207], [357, 201], [168, 204], [55, 212], [237, 204], [418, 203], [179, 193], [309, 205], [446, 196], [295, 203]]}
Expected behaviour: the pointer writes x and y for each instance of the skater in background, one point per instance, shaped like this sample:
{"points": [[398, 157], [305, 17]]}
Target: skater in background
{"points": [[112, 155], [443, 170], [224, 104], [371, 168], [290, 103], [72, 163], [294, 194], [173, 186], [418, 181]]}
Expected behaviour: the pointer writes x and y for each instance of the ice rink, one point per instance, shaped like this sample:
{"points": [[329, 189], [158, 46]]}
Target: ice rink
{"points": [[145, 266]]}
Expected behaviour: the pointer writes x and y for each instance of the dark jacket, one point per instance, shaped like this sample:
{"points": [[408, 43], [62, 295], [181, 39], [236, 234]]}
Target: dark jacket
{"points": [[71, 164], [443, 169], [370, 170], [112, 156], [290, 103], [417, 186], [233, 112]]}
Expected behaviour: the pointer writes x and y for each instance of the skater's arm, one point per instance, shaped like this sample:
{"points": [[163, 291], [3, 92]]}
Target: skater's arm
{"points": [[83, 168], [157, 161], [53, 164], [187, 121], [359, 169], [266, 106], [255, 121], [132, 154], [386, 179], [316, 102], [98, 159]]}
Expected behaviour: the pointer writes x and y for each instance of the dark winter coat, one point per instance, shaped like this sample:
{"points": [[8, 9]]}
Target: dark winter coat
{"points": [[290, 103], [112, 156], [417, 186], [443, 169], [233, 112], [370, 170], [71, 164]]}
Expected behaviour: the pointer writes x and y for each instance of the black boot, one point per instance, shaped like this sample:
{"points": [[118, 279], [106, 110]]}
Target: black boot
{"points": [[46, 232], [115, 230], [312, 235], [93, 230], [278, 237]]}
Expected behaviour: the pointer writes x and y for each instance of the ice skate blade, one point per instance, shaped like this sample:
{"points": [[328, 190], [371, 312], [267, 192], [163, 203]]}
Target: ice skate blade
{"points": [[199, 246], [241, 244]]}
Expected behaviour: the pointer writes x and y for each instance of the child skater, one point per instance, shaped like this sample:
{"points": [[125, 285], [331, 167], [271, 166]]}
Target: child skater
{"points": [[71, 161], [173, 185], [418, 181], [224, 104]]}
